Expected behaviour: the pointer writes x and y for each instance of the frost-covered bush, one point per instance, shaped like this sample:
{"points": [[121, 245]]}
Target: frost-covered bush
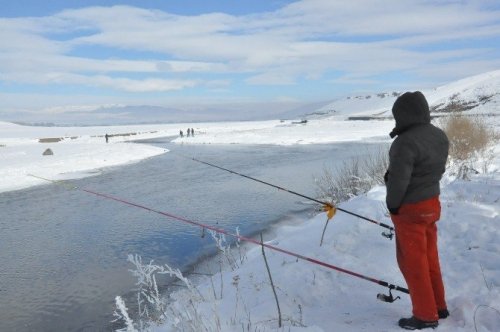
{"points": [[471, 142], [179, 310], [354, 177], [152, 305]]}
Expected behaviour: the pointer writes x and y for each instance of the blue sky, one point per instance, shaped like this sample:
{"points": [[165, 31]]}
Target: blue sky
{"points": [[72, 56]]}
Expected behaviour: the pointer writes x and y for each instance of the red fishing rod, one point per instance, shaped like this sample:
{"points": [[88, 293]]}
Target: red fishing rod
{"points": [[382, 297], [329, 207]]}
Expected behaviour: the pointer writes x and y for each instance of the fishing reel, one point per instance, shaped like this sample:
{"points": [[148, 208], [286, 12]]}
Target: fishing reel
{"points": [[389, 234], [387, 298]]}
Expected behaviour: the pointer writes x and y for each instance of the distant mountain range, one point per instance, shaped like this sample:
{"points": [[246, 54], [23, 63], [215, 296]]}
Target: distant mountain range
{"points": [[148, 114]]}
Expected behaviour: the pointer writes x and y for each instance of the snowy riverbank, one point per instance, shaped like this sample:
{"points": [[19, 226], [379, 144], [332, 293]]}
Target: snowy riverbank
{"points": [[83, 151], [316, 298]]}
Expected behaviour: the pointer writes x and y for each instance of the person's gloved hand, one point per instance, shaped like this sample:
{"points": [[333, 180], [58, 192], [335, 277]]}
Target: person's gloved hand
{"points": [[393, 210]]}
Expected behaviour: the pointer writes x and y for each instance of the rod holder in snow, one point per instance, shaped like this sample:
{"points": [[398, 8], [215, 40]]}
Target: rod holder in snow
{"points": [[323, 234], [391, 229], [330, 212]]}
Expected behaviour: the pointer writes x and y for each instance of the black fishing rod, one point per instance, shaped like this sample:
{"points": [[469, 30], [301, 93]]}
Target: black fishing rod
{"points": [[382, 297], [327, 205]]}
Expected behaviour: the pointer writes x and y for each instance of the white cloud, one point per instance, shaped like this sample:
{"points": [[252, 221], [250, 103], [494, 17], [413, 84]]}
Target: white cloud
{"points": [[386, 17], [271, 78], [306, 39], [124, 84], [146, 85]]}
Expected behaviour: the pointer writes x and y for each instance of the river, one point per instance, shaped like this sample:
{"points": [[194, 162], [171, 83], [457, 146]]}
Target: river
{"points": [[63, 253]]}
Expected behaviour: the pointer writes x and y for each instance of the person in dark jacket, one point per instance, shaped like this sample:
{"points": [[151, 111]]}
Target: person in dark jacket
{"points": [[417, 160]]}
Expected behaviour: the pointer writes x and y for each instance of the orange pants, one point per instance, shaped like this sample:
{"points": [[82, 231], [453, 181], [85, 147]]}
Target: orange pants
{"points": [[417, 255]]}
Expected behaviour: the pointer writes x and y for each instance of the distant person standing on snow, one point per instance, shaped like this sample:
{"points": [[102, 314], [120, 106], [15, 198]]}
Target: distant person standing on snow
{"points": [[107, 137], [181, 133], [189, 132], [192, 132], [417, 160]]}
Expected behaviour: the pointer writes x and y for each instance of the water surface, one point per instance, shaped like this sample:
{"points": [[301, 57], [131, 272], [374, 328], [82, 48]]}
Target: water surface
{"points": [[63, 252]]}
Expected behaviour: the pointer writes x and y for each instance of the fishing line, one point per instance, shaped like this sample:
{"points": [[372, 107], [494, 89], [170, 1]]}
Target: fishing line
{"points": [[327, 206], [382, 297]]}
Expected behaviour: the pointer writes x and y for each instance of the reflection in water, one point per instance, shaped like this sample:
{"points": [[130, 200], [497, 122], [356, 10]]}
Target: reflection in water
{"points": [[63, 253]]}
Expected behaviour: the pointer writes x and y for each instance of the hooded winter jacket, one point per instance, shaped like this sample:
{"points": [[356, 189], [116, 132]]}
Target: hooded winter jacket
{"points": [[418, 155]]}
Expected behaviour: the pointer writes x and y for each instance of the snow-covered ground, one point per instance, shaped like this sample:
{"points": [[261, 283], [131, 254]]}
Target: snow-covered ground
{"points": [[312, 297], [316, 298]]}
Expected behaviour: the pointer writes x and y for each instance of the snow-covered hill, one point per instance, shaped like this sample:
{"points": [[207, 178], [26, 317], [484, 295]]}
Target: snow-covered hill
{"points": [[478, 94]]}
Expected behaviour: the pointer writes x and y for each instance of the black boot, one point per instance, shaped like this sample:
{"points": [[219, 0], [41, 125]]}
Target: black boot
{"points": [[414, 323], [443, 313]]}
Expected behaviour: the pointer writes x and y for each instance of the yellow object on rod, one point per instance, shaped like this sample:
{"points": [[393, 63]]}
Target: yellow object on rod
{"points": [[330, 211]]}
